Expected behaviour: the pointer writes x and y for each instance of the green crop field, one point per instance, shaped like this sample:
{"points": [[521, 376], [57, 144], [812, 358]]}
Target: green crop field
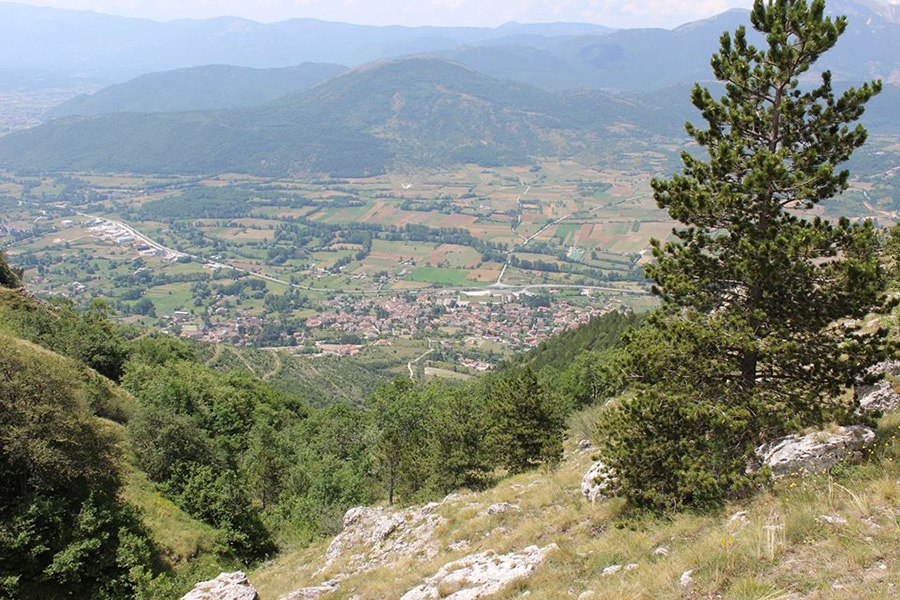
{"points": [[348, 248], [438, 275], [568, 233]]}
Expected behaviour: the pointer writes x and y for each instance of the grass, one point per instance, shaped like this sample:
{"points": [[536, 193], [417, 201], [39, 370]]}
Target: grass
{"points": [[179, 536], [776, 546], [439, 275], [568, 232]]}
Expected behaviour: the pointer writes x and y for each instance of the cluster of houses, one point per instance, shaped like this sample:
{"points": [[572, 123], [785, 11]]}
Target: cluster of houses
{"points": [[504, 318], [501, 318]]}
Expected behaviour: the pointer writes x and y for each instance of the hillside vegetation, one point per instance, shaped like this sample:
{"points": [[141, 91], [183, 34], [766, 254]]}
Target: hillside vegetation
{"points": [[217, 469], [197, 88], [832, 536], [415, 112]]}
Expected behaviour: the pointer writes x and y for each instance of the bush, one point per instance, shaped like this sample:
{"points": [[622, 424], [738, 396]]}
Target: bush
{"points": [[678, 450], [64, 532], [221, 500]]}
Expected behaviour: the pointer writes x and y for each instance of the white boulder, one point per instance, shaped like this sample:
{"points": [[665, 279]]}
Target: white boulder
{"points": [[600, 482], [815, 452], [501, 508], [227, 586], [313, 592], [375, 536], [881, 396], [479, 575]]}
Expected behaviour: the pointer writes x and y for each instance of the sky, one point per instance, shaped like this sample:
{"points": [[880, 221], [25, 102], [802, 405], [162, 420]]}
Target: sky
{"points": [[485, 13]]}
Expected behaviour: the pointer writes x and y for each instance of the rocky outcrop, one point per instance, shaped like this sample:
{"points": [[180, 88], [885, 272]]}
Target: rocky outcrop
{"points": [[599, 483], [815, 452], [311, 593], [479, 575], [374, 536], [881, 396], [499, 509], [227, 586]]}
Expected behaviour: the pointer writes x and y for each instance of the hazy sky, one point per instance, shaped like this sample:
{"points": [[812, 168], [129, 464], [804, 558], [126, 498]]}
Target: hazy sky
{"points": [[614, 13]]}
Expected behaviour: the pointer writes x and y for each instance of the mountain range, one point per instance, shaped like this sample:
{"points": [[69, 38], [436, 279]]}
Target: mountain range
{"points": [[417, 111], [198, 88], [489, 96], [117, 48], [44, 41]]}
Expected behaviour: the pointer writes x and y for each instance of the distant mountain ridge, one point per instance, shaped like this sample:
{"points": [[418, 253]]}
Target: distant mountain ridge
{"points": [[414, 111], [647, 59], [885, 10], [417, 111], [199, 88], [506, 96], [554, 56], [119, 48]]}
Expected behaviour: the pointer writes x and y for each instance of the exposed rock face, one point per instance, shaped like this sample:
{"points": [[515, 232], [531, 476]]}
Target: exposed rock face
{"points": [[374, 536], [311, 593], [880, 397], [500, 508], [479, 575], [227, 586], [815, 452], [599, 483]]}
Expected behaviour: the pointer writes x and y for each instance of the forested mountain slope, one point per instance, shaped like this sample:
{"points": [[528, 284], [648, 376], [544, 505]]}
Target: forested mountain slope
{"points": [[198, 88]]}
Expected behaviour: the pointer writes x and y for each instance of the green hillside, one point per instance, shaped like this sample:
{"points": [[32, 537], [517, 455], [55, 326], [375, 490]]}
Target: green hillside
{"points": [[318, 382], [197, 469], [829, 537], [198, 88], [415, 111], [418, 111]]}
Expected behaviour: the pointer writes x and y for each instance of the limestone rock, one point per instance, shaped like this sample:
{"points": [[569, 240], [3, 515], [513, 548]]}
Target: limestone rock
{"points": [[501, 508], [227, 586], [881, 396], [599, 483], [372, 537], [479, 575], [738, 520], [611, 570], [311, 593], [376, 536], [815, 452]]}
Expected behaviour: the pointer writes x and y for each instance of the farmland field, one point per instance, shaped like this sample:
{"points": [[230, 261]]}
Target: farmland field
{"points": [[292, 262], [438, 275]]}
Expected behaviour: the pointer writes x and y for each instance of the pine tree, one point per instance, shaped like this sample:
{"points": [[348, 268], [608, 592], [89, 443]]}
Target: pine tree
{"points": [[525, 427], [759, 300], [748, 255]]}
